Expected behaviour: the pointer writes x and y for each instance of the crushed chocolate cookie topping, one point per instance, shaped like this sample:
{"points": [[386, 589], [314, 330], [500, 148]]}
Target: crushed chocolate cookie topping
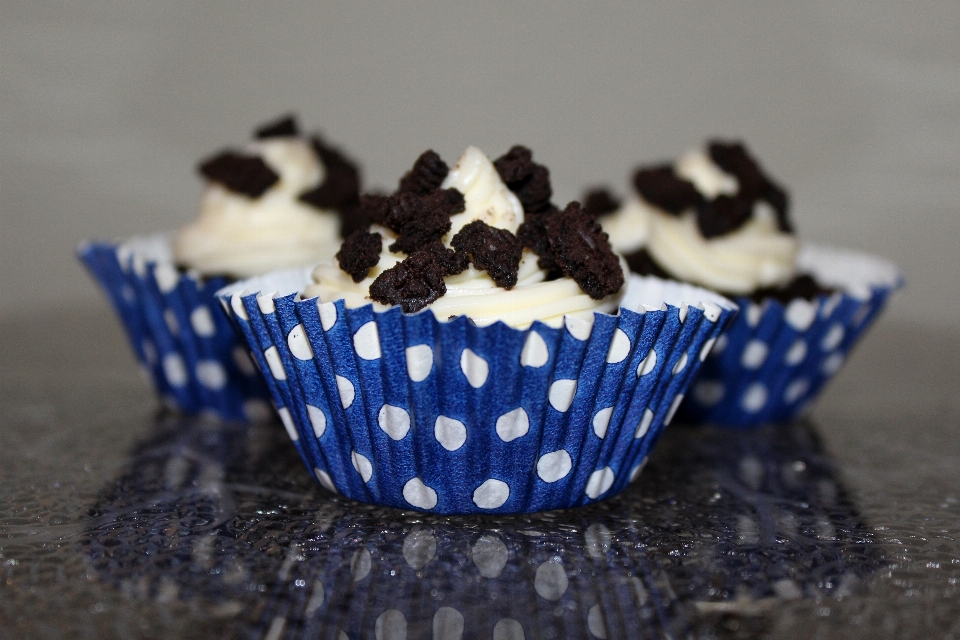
{"points": [[419, 220], [340, 189], [248, 175], [533, 235], [427, 174], [642, 262], [418, 280], [528, 180], [723, 214], [661, 187], [803, 286], [582, 249], [753, 183], [359, 253], [496, 251], [281, 127], [600, 201]]}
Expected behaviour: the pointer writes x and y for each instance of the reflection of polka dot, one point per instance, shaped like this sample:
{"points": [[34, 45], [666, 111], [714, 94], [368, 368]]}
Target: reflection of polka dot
{"points": [[298, 343], [149, 352], [170, 318], [753, 314], [202, 322], [419, 494], [419, 362], [754, 398], [211, 374], [673, 409], [243, 361], [554, 465], [129, 295], [174, 370], [833, 338], [832, 364], [325, 480], [645, 422], [796, 389], [601, 421], [447, 624], [619, 347], [831, 305], [474, 368], [635, 472], [562, 393], [287, 421], [708, 392], [681, 363], [318, 419], [265, 302], [595, 622], [599, 483], [166, 276], [551, 581], [647, 364], [796, 353], [860, 315], [391, 625], [535, 353], [800, 313], [328, 314], [490, 555], [579, 328], [366, 341], [363, 466], [419, 548], [450, 433], [491, 494], [346, 392], [360, 564], [754, 354], [272, 357], [598, 540], [508, 629], [513, 424], [395, 421], [705, 349], [257, 410], [237, 304]]}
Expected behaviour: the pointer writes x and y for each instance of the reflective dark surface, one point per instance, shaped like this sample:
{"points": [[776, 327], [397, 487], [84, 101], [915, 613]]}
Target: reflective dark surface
{"points": [[116, 522]]}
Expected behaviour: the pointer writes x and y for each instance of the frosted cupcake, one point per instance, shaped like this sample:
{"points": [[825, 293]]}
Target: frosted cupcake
{"points": [[469, 352], [280, 201], [716, 219]]}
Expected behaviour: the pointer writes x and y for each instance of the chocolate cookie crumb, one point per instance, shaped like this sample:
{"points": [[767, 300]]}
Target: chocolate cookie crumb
{"points": [[427, 174], [661, 187], [416, 281], [496, 251], [421, 219], [642, 263], [600, 201], [533, 235], [340, 189], [281, 127], [582, 250], [248, 175], [528, 180], [723, 214], [754, 184], [359, 253], [803, 286]]}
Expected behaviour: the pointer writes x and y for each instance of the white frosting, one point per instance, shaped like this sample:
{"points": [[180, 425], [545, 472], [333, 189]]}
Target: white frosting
{"points": [[241, 236], [473, 293]]}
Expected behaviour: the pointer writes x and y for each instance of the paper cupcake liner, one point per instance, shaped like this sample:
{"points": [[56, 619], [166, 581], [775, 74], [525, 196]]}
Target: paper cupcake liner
{"points": [[450, 417], [187, 347], [776, 358]]}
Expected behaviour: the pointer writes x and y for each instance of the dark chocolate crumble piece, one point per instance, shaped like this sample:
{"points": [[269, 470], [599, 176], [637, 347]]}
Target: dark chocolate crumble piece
{"points": [[418, 280], [582, 249], [340, 189], [642, 263], [723, 214], [533, 235], [528, 180], [248, 175], [661, 187], [281, 127], [753, 183], [359, 253], [803, 286], [600, 201], [420, 220], [427, 174], [496, 251]]}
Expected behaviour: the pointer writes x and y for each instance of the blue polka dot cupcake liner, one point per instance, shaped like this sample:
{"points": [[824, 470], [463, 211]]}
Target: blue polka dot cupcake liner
{"points": [[451, 417], [775, 359], [185, 345]]}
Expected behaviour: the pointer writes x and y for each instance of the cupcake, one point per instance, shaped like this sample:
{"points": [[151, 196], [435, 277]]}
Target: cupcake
{"points": [[476, 349], [281, 201], [717, 220]]}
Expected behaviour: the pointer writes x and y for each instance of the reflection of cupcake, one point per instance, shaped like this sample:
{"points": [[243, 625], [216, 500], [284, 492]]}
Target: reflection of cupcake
{"points": [[523, 390], [278, 203], [717, 220]]}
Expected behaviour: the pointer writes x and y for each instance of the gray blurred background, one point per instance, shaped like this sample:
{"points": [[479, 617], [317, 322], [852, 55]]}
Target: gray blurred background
{"points": [[105, 108]]}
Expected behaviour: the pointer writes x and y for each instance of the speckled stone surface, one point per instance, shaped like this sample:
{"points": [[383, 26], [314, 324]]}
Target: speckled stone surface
{"points": [[116, 521]]}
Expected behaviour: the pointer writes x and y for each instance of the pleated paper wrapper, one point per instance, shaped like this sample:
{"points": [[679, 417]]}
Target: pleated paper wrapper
{"points": [[450, 417], [776, 358], [184, 343]]}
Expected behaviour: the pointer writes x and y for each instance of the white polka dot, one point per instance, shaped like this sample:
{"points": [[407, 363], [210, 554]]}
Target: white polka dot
{"points": [[325, 480], [681, 363], [318, 419], [513, 424], [601, 421], [174, 370], [360, 564], [202, 322], [257, 410], [562, 393], [712, 312], [554, 465], [682, 311], [166, 276], [753, 314], [673, 409], [490, 555], [832, 364], [720, 344], [447, 624], [149, 352], [795, 390], [706, 348], [298, 343], [796, 353], [831, 305], [491, 494], [243, 361], [272, 357], [391, 625], [579, 328], [363, 465], [139, 265], [754, 354], [237, 304], [395, 421], [833, 338], [265, 302], [708, 392], [535, 353], [647, 364], [619, 347], [170, 318], [346, 391], [450, 433], [419, 494], [599, 483], [595, 622], [645, 422], [419, 362], [508, 629], [287, 421], [419, 548], [754, 398], [635, 472], [328, 314], [800, 314], [366, 341], [474, 367], [210, 373], [551, 581]]}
